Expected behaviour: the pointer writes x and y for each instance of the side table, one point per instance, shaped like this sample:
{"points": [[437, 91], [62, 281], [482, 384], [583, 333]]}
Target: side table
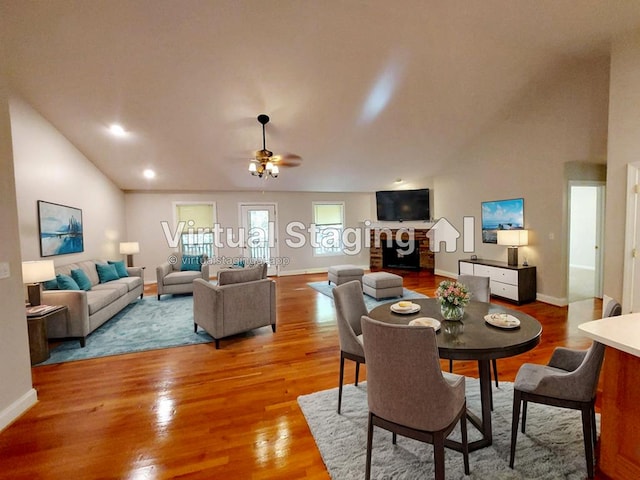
{"points": [[37, 327]]}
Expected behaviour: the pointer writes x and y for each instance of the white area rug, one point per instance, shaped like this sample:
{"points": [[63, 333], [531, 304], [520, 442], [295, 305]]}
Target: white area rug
{"points": [[552, 448]]}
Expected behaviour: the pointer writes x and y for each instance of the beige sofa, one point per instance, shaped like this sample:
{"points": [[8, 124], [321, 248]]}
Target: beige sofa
{"points": [[171, 279], [90, 309], [244, 299]]}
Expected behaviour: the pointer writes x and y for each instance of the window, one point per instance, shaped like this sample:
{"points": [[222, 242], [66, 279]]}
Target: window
{"points": [[328, 218], [197, 221]]}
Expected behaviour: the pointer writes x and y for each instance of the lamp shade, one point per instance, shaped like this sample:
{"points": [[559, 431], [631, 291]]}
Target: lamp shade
{"points": [[513, 238], [38, 271], [129, 248]]}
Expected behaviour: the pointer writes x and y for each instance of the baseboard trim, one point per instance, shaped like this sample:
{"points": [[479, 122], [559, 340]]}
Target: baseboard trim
{"points": [[558, 302], [444, 273], [17, 408]]}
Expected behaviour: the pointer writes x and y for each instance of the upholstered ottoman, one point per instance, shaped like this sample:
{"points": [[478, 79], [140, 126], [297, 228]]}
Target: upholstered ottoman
{"points": [[340, 274], [382, 285]]}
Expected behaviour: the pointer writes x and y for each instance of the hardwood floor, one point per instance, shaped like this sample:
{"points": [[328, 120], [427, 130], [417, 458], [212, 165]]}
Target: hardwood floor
{"points": [[197, 412]]}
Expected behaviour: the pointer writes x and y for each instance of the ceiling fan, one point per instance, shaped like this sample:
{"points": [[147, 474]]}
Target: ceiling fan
{"points": [[266, 164]]}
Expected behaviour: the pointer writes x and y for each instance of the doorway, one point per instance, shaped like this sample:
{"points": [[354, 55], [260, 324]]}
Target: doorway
{"points": [[586, 214], [258, 222]]}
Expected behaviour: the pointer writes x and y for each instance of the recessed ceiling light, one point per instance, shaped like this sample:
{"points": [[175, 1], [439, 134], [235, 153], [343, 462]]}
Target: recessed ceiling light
{"points": [[148, 173], [398, 180], [117, 130]]}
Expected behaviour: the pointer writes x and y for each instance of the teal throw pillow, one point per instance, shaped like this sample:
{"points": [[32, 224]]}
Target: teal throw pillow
{"points": [[191, 262], [120, 268], [65, 282], [51, 285], [81, 279], [106, 272]]}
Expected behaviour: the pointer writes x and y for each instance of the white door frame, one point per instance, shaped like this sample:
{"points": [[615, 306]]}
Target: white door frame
{"points": [[600, 213], [630, 233], [273, 269]]}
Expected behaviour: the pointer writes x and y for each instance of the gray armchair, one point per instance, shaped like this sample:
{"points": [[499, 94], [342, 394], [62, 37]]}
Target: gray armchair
{"points": [[350, 307], [569, 380], [235, 306], [407, 392], [172, 279]]}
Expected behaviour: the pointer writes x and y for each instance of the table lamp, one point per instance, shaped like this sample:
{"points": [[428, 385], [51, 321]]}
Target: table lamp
{"points": [[514, 239], [128, 249], [35, 272]]}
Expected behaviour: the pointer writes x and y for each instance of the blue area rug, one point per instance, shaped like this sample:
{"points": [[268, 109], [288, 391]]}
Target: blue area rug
{"points": [[146, 324], [370, 302]]}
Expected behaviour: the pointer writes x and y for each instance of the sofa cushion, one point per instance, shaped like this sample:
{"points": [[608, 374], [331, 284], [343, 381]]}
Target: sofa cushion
{"points": [[106, 272], [121, 288], [89, 267], [98, 298], [191, 263], [120, 268], [65, 282], [240, 275], [129, 282], [180, 278], [51, 285], [81, 279]]}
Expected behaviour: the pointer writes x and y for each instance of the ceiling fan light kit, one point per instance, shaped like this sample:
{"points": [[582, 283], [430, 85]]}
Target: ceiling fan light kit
{"points": [[265, 162]]}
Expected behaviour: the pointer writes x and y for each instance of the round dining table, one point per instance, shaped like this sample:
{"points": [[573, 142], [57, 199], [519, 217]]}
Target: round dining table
{"points": [[473, 338]]}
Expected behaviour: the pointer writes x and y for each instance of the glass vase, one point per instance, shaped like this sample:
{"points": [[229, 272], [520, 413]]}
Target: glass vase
{"points": [[451, 311]]}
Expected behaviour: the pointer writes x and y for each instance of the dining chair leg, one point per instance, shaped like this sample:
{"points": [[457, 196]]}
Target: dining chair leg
{"points": [[588, 440], [524, 415], [514, 425], [367, 474], [450, 366], [438, 455], [357, 372], [340, 382], [594, 430]]}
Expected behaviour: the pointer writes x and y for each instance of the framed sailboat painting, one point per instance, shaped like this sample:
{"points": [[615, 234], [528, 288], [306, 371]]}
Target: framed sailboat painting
{"points": [[60, 229]]}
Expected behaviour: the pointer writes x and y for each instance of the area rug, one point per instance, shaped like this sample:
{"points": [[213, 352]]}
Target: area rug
{"points": [[551, 449], [146, 324], [326, 289]]}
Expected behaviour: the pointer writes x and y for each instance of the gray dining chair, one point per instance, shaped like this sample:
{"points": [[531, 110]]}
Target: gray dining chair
{"points": [[480, 289], [569, 380], [350, 307], [407, 392]]}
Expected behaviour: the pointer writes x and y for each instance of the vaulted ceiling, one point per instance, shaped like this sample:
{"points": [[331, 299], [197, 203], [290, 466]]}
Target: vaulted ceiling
{"points": [[364, 91]]}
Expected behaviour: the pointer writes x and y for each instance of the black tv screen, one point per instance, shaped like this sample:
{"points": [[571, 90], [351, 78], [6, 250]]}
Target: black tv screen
{"points": [[403, 205]]}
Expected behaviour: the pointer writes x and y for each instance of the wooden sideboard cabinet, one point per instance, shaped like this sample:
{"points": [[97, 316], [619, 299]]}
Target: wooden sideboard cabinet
{"points": [[515, 283]]}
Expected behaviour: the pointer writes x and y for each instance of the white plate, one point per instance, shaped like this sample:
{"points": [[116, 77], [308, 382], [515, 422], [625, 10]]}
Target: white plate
{"points": [[502, 320], [412, 309], [425, 322]]}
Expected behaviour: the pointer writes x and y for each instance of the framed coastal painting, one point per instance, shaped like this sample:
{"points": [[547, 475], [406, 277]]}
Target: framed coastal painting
{"points": [[60, 229], [501, 215]]}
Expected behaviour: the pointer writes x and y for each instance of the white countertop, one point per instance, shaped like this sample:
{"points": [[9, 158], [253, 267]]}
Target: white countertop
{"points": [[622, 333]]}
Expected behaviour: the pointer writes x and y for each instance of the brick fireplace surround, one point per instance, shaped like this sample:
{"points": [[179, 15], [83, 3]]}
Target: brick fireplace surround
{"points": [[379, 240]]}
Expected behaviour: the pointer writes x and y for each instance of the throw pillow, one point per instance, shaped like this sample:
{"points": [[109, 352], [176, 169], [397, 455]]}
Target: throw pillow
{"points": [[120, 268], [65, 282], [81, 279], [106, 272], [191, 262], [51, 285]]}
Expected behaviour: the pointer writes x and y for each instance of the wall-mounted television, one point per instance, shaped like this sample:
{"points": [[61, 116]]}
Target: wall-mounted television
{"points": [[501, 215], [403, 205]]}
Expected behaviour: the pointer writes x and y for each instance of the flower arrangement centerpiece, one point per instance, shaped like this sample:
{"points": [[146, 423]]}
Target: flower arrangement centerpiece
{"points": [[453, 297]]}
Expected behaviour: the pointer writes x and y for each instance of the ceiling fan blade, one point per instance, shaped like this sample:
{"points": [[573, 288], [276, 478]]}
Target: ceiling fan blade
{"points": [[287, 160]]}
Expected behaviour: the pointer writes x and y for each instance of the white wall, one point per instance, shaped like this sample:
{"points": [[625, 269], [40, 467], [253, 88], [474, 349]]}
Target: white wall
{"points": [[623, 148], [16, 392], [561, 118], [145, 211], [48, 167]]}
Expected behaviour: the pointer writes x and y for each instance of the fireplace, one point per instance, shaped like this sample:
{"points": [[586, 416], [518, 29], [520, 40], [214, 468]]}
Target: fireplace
{"points": [[424, 259], [401, 255]]}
